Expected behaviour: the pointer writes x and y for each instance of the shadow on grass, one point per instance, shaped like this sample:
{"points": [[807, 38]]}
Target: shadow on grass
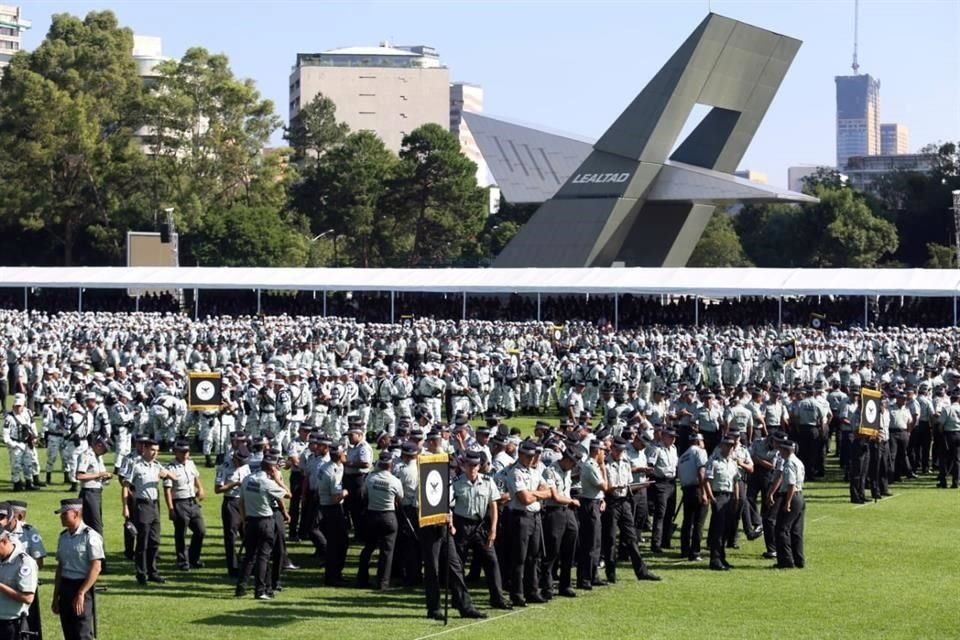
{"points": [[271, 614]]}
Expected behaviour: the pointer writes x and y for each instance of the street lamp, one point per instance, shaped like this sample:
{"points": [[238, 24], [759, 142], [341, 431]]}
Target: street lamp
{"points": [[317, 237]]}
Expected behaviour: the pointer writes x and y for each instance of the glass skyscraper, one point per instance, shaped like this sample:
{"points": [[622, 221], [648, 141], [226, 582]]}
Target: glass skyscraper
{"points": [[858, 117]]}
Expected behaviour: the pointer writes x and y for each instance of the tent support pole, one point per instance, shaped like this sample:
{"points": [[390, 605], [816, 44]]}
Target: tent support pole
{"points": [[696, 311], [779, 312], [26, 294], [464, 310], [80, 300], [259, 307], [136, 304], [616, 312], [866, 311], [196, 304], [954, 310], [538, 307], [324, 303], [393, 296]]}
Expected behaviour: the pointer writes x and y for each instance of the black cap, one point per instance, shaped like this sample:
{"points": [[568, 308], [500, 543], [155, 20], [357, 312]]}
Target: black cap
{"points": [[385, 458], [472, 457], [434, 435], [269, 458], [409, 448], [528, 447], [181, 445], [17, 505], [241, 455], [669, 431], [4, 509], [620, 443], [729, 439], [68, 504]]}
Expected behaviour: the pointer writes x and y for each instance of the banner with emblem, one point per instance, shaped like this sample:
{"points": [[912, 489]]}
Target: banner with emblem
{"points": [[789, 351], [204, 390], [407, 321], [818, 321], [870, 400], [433, 492]]}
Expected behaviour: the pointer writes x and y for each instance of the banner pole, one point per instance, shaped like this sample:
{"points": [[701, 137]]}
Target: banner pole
{"points": [[446, 573]]}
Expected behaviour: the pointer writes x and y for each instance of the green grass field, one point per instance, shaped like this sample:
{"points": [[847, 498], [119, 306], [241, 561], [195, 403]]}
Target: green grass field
{"points": [[884, 570]]}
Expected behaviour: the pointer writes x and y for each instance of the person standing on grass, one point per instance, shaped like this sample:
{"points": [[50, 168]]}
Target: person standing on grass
{"points": [[384, 493], [792, 509], [691, 470], [260, 492], [950, 443], [721, 487], [145, 477], [183, 493], [79, 557]]}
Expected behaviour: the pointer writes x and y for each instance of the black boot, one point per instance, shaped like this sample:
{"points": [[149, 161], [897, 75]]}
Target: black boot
{"points": [[36, 481], [49, 478], [18, 486], [29, 486], [66, 479], [209, 461], [73, 487]]}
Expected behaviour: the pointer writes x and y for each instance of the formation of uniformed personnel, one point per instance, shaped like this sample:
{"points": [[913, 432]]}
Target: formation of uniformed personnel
{"points": [[183, 493], [79, 557]]}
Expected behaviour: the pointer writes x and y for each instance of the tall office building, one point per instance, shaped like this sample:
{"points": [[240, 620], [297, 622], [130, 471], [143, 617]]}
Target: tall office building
{"points": [[12, 25], [893, 139], [390, 90], [858, 117]]}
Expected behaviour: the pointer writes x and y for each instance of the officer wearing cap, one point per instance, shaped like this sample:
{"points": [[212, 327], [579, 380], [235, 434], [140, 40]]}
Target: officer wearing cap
{"points": [[765, 456], [408, 544], [261, 492], [949, 427], [522, 526], [27, 535], [475, 518], [593, 486], [126, 494], [317, 454], [297, 452], [183, 493], [18, 581], [20, 437], [384, 493], [333, 523], [618, 516], [79, 557], [721, 487], [145, 477], [358, 464], [560, 525], [228, 480], [92, 476], [662, 458], [691, 469], [790, 519]]}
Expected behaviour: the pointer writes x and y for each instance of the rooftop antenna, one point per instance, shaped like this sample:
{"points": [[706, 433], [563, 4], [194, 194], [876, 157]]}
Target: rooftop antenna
{"points": [[856, 28]]}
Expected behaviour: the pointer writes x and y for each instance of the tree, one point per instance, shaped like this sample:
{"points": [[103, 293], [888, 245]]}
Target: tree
{"points": [[348, 186], [773, 235], [245, 236], [68, 111], [315, 130], [941, 256], [823, 177], [206, 136], [719, 246], [852, 235], [435, 194]]}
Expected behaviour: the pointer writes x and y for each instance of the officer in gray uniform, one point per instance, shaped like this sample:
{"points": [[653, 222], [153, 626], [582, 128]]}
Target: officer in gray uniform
{"points": [[333, 523], [593, 485], [408, 541], [145, 477], [27, 535], [93, 476], [475, 517], [560, 525], [183, 493], [79, 555], [792, 510], [18, 586], [662, 458], [384, 493], [721, 486], [523, 526], [229, 477], [691, 469], [260, 493], [355, 469]]}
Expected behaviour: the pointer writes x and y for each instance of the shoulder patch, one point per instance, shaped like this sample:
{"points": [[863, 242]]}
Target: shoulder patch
{"points": [[36, 538], [24, 569]]}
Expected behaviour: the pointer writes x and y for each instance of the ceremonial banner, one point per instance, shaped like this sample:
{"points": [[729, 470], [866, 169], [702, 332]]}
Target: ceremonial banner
{"points": [[433, 492], [870, 400], [789, 351], [818, 321], [204, 391]]}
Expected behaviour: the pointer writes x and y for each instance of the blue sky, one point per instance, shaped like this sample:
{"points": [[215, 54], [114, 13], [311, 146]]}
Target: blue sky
{"points": [[574, 66]]}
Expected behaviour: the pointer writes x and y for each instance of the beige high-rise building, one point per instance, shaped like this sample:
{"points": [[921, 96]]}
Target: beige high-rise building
{"points": [[389, 90], [12, 26], [894, 139]]}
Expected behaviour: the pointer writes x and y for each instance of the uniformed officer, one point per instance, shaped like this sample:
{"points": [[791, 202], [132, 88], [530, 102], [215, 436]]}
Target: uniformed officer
{"points": [[691, 469], [183, 493], [333, 523], [721, 487], [93, 476], [408, 542], [526, 487], [593, 485], [792, 509], [296, 453], [662, 458], [79, 556], [20, 437], [28, 536], [618, 516], [355, 469], [18, 585], [261, 492], [145, 477], [809, 418], [384, 493], [475, 517], [949, 436], [229, 477], [560, 525]]}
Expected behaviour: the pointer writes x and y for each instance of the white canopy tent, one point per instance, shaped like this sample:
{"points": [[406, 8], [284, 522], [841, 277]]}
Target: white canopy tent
{"points": [[710, 283]]}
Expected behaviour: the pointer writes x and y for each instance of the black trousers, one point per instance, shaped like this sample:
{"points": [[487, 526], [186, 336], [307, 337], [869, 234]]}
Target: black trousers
{"points": [[790, 533], [810, 448], [588, 554], [879, 468], [75, 627], [694, 515], [355, 503], [92, 512], [640, 511], [334, 527], [770, 517], [188, 515], [617, 521], [310, 524], [258, 538], [381, 533], [296, 488], [232, 530], [724, 512], [950, 457], [146, 518], [525, 535], [560, 533], [471, 537], [899, 456], [407, 560], [663, 499], [33, 614], [920, 439], [858, 468], [437, 547], [278, 555], [10, 629]]}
